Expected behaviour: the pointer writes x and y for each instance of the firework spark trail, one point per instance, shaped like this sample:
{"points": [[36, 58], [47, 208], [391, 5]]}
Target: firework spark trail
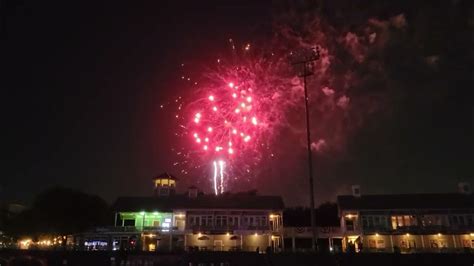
{"points": [[221, 166], [215, 177]]}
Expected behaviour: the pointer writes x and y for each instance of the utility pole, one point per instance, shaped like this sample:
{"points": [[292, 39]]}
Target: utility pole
{"points": [[307, 63]]}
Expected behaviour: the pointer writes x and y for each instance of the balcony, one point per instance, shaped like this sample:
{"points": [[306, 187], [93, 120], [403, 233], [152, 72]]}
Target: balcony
{"points": [[135, 229], [228, 228], [376, 229], [432, 229]]}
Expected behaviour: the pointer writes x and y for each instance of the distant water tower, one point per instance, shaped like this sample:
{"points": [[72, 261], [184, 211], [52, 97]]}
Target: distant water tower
{"points": [[164, 184]]}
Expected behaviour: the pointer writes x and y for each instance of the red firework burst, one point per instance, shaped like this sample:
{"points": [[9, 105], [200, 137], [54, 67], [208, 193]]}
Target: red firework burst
{"points": [[224, 125]]}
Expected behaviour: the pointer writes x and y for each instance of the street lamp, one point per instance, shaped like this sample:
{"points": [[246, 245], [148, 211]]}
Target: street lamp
{"points": [[308, 62]]}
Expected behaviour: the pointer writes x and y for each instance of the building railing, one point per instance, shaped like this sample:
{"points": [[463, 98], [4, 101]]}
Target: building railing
{"points": [[125, 229], [418, 229], [230, 227], [417, 250], [353, 229]]}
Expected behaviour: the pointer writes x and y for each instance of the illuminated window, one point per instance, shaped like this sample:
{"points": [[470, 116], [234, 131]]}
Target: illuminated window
{"points": [[406, 220], [403, 220], [399, 221], [372, 243], [380, 243], [394, 222]]}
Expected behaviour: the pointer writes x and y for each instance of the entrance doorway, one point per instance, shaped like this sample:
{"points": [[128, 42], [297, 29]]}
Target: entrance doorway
{"points": [[275, 243], [218, 246]]}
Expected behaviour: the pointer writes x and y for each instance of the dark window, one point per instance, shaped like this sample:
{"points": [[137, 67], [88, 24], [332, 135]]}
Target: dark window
{"points": [[376, 221], [305, 243], [224, 221], [164, 191], [288, 243], [365, 224], [469, 220], [455, 220], [349, 225], [370, 222], [129, 222]]}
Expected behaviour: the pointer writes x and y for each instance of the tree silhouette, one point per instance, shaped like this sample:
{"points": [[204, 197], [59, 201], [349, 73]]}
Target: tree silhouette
{"points": [[61, 211]]}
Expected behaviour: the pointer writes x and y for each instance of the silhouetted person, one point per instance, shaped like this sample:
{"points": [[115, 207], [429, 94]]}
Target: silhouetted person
{"points": [[350, 247], [360, 245]]}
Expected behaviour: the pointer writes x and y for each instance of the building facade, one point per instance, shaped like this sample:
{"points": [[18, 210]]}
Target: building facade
{"points": [[192, 221], [169, 221], [298, 233], [407, 223]]}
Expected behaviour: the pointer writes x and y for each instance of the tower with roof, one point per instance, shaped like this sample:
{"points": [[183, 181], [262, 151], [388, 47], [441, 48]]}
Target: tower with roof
{"points": [[164, 184]]}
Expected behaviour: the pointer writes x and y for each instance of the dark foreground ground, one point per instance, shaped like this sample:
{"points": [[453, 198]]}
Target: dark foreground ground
{"points": [[52, 258]]}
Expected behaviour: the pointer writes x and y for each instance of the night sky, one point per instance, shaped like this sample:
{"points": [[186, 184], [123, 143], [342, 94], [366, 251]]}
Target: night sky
{"points": [[82, 84]]}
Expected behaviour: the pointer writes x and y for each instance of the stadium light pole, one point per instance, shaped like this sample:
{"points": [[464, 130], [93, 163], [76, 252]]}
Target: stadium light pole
{"points": [[307, 63]]}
